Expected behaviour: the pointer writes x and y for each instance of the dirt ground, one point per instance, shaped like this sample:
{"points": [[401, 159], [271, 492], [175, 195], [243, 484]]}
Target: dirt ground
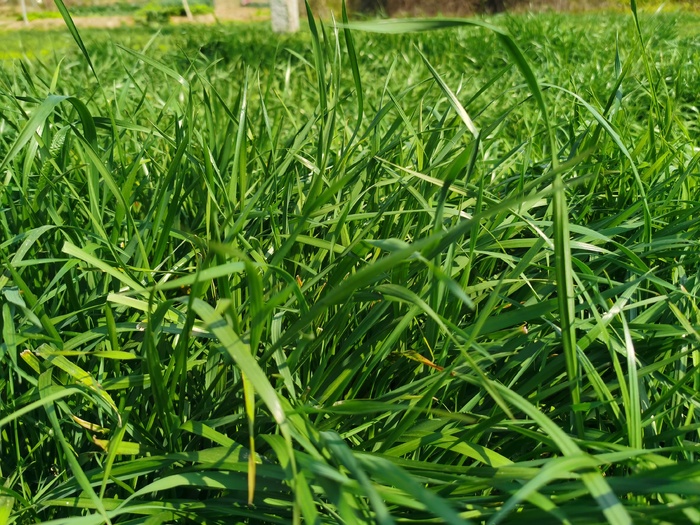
{"points": [[226, 11]]}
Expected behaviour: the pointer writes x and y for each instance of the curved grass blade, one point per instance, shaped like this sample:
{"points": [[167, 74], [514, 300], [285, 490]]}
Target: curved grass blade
{"points": [[454, 101], [411, 25], [344, 455], [239, 351], [610, 505], [48, 397], [79, 375], [354, 67], [396, 476], [241, 355], [158, 65], [566, 297], [634, 410], [39, 117], [621, 146], [76, 35], [46, 382]]}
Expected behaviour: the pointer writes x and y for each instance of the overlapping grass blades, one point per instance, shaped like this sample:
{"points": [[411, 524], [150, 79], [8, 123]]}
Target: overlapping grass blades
{"points": [[277, 283]]}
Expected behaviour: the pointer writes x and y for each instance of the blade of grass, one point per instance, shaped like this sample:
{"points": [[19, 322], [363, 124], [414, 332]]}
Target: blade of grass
{"points": [[566, 298], [45, 382]]}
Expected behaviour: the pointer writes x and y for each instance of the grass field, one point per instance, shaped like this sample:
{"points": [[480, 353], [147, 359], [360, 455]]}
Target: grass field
{"points": [[352, 277]]}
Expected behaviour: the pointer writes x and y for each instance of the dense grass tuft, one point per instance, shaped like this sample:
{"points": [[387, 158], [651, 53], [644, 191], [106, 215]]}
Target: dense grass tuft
{"points": [[352, 277]]}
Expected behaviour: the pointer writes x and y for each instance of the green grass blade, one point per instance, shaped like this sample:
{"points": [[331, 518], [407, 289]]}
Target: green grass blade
{"points": [[566, 297], [76, 35], [46, 382], [608, 502]]}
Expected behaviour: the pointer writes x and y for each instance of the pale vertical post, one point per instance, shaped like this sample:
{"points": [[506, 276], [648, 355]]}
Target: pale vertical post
{"points": [[285, 15], [24, 12], [188, 12]]}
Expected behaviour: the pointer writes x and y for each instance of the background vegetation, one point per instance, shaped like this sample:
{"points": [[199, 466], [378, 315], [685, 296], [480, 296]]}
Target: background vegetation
{"points": [[471, 7], [324, 8], [352, 277]]}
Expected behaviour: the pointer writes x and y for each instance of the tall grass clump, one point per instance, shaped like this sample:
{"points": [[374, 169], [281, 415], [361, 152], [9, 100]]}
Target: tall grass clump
{"points": [[365, 274]]}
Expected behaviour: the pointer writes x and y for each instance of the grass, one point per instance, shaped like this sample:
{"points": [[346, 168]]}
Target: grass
{"points": [[116, 9], [350, 276], [139, 9], [157, 13], [40, 15]]}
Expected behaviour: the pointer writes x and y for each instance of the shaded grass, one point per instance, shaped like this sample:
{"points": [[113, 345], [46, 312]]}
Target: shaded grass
{"points": [[309, 232]]}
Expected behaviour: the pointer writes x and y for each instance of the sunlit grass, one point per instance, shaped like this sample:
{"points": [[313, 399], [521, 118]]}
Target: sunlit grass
{"points": [[353, 277]]}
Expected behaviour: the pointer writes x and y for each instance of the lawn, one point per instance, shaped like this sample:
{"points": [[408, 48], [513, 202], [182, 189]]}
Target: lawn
{"points": [[352, 276]]}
